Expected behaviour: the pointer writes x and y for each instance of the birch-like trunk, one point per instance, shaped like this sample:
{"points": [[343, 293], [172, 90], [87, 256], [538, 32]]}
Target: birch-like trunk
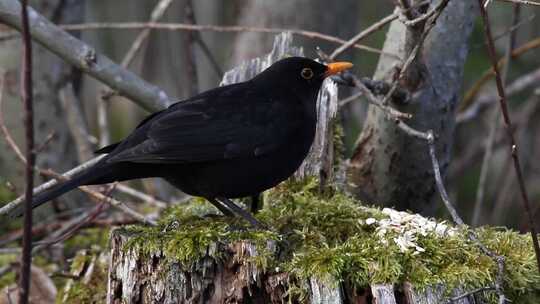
{"points": [[388, 166]]}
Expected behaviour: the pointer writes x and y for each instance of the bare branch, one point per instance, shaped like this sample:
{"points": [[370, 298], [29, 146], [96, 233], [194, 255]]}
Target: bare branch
{"points": [[49, 173], [140, 195], [522, 2], [76, 122], [457, 219], [156, 14], [368, 31], [522, 83], [508, 125], [416, 50], [216, 28], [85, 57], [470, 95], [192, 81], [494, 123], [105, 96], [26, 96], [395, 114]]}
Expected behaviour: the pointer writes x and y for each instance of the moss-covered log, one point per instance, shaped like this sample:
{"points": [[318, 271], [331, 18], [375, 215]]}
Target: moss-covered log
{"points": [[321, 248]]}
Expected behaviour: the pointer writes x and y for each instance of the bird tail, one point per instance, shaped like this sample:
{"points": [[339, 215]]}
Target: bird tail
{"points": [[84, 178]]}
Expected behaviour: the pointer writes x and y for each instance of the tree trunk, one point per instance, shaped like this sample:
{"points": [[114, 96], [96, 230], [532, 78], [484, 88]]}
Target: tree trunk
{"points": [[389, 167]]}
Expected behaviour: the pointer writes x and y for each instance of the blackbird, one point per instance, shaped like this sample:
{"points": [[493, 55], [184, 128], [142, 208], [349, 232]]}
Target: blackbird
{"points": [[229, 142]]}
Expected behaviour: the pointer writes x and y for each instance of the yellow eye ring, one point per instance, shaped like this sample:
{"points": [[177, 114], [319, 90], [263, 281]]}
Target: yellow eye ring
{"points": [[307, 73]]}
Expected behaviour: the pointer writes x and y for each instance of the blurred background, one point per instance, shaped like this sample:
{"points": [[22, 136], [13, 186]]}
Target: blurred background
{"points": [[184, 63]]}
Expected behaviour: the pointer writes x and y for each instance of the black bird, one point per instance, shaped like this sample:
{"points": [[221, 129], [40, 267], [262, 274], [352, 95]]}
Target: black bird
{"points": [[229, 142]]}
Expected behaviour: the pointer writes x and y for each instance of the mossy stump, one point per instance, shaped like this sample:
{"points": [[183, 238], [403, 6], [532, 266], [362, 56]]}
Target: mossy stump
{"points": [[232, 278], [321, 248], [137, 278]]}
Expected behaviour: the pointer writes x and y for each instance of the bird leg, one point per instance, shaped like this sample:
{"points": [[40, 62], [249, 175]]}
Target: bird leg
{"points": [[241, 212], [256, 203], [221, 207]]}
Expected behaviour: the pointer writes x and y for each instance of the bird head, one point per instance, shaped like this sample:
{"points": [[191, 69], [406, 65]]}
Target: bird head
{"points": [[300, 76]]}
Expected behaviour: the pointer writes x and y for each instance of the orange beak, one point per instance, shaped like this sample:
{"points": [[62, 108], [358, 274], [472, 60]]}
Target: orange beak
{"points": [[336, 67]]}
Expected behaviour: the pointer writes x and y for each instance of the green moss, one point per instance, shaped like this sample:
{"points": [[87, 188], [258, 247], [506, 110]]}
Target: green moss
{"points": [[8, 278], [190, 239], [92, 291], [326, 236], [6, 194], [96, 238]]}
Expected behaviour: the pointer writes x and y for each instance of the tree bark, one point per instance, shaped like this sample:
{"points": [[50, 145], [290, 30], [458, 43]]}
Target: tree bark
{"points": [[389, 167]]}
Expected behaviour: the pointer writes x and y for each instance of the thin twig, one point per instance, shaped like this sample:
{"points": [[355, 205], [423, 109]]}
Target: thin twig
{"points": [[106, 93], [215, 28], [416, 50], [522, 83], [102, 114], [45, 228], [522, 2], [390, 112], [79, 224], [353, 97], [157, 13], [512, 28], [406, 9], [440, 6], [469, 293], [142, 196], [395, 114], [62, 230], [49, 173], [508, 125], [86, 58], [208, 53], [192, 82], [45, 186], [457, 219], [493, 127], [368, 31], [470, 95], [76, 122], [26, 96], [506, 183]]}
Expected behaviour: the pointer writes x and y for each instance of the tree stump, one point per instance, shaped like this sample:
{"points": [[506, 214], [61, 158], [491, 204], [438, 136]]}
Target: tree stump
{"points": [[234, 279]]}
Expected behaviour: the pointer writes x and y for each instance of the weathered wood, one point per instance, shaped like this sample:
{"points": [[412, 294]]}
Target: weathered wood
{"points": [[152, 279], [323, 294], [383, 294], [435, 295]]}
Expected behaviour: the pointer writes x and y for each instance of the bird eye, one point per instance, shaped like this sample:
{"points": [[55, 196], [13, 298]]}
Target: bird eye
{"points": [[307, 73]]}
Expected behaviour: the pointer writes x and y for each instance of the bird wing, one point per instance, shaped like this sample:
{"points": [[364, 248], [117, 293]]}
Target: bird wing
{"points": [[225, 124]]}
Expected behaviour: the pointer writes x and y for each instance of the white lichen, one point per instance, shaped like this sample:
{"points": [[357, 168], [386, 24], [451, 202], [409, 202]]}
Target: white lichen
{"points": [[404, 229]]}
